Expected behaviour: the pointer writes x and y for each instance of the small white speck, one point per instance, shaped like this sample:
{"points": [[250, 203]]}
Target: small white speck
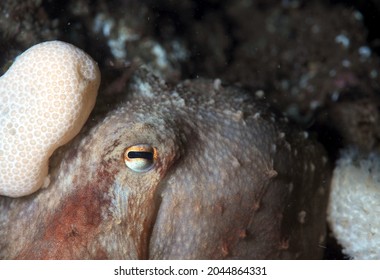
{"points": [[364, 52], [145, 89], [179, 51], [373, 74], [274, 148], [256, 115], [324, 160], [346, 63], [281, 135], [235, 162], [314, 104], [174, 94], [107, 27], [343, 40], [117, 49], [160, 54], [217, 84], [260, 93], [103, 25], [236, 115], [312, 167], [290, 187], [358, 15], [332, 73], [335, 96], [302, 217], [322, 238]]}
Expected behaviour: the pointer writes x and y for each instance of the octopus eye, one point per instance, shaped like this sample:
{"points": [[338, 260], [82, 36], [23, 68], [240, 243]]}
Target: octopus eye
{"points": [[140, 158]]}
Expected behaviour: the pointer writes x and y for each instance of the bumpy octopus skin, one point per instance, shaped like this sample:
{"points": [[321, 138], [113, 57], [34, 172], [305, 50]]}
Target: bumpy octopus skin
{"points": [[229, 179]]}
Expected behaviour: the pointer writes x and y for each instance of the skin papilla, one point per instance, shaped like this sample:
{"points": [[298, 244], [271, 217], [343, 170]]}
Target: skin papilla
{"points": [[221, 176]]}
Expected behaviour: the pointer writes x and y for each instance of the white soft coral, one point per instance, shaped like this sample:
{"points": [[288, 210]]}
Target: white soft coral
{"points": [[354, 206], [45, 98]]}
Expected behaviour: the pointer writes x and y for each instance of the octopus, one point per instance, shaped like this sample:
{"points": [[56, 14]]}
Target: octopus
{"points": [[199, 170]]}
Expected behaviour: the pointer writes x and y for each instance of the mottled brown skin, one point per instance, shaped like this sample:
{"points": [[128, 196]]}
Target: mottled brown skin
{"points": [[231, 180]]}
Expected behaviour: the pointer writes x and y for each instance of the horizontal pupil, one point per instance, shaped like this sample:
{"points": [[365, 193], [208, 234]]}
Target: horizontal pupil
{"points": [[145, 155]]}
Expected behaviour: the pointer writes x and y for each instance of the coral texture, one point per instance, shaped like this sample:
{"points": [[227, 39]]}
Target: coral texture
{"points": [[45, 98], [354, 206]]}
